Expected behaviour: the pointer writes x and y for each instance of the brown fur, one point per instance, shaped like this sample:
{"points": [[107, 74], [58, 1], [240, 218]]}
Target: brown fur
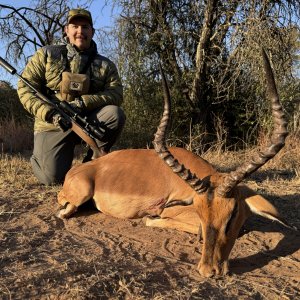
{"points": [[137, 184]]}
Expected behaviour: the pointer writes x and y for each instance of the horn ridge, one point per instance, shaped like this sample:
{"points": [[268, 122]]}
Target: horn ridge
{"points": [[161, 149]]}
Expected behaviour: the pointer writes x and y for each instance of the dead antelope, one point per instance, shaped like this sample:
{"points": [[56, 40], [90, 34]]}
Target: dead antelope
{"points": [[174, 188]]}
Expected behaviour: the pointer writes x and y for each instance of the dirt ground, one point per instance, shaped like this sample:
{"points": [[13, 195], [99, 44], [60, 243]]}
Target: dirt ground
{"points": [[93, 256]]}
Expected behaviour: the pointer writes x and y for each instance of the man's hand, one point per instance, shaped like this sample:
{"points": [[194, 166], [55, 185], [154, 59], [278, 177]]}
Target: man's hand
{"points": [[61, 123], [77, 105]]}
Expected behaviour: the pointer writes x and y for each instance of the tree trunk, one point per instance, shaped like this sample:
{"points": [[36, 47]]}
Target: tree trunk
{"points": [[199, 93]]}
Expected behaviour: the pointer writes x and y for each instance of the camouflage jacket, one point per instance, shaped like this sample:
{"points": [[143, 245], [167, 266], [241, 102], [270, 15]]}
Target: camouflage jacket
{"points": [[44, 72]]}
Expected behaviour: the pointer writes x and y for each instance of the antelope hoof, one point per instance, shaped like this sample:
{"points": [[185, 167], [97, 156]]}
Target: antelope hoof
{"points": [[218, 270], [66, 212], [148, 220]]}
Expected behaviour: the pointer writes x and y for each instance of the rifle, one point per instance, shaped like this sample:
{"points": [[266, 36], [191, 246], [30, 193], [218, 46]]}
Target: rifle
{"points": [[80, 125]]}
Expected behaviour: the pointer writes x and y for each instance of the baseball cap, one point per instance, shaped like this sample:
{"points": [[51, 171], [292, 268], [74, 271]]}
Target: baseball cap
{"points": [[79, 12]]}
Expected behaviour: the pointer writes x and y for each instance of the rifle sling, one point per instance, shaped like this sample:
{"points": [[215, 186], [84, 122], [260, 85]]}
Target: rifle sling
{"points": [[91, 142]]}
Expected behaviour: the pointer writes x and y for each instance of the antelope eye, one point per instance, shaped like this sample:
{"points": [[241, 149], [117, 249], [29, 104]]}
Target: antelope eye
{"points": [[232, 216]]}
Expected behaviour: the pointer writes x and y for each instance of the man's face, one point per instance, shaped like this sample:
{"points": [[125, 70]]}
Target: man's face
{"points": [[80, 33]]}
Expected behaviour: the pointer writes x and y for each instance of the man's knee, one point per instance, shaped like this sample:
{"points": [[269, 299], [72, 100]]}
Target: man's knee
{"points": [[112, 116], [119, 116], [49, 179], [47, 176]]}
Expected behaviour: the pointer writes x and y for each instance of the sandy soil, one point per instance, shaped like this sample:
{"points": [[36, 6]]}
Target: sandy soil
{"points": [[93, 256]]}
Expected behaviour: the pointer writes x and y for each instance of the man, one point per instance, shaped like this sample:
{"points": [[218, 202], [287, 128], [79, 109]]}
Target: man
{"points": [[48, 71]]}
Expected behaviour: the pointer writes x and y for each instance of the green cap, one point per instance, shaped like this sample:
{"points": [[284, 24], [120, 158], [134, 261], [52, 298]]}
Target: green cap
{"points": [[79, 12]]}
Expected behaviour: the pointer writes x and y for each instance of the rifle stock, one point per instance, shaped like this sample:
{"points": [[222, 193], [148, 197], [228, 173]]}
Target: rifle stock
{"points": [[86, 131]]}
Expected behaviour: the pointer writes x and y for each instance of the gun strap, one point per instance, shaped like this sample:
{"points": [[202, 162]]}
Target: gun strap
{"points": [[90, 141]]}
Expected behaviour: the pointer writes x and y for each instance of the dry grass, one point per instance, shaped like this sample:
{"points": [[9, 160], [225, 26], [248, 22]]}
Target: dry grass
{"points": [[15, 137], [287, 159], [92, 256]]}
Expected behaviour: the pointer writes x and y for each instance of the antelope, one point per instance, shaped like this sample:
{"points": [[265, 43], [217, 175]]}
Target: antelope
{"points": [[175, 188]]}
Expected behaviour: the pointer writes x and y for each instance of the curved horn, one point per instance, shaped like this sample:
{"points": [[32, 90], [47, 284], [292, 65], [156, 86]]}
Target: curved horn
{"points": [[277, 140], [161, 149]]}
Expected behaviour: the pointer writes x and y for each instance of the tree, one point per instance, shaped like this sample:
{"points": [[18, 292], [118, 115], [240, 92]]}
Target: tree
{"points": [[11, 108], [27, 28], [210, 51]]}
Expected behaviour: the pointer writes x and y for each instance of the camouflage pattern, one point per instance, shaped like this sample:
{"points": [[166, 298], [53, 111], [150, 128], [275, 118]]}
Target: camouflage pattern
{"points": [[44, 72]]}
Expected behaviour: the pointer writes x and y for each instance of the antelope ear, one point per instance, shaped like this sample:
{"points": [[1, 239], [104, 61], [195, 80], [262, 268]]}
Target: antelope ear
{"points": [[260, 206]]}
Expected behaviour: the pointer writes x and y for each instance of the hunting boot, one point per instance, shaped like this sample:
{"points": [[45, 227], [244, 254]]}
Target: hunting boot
{"points": [[90, 152]]}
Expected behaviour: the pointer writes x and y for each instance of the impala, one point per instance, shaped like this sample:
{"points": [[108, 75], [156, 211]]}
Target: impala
{"points": [[174, 188]]}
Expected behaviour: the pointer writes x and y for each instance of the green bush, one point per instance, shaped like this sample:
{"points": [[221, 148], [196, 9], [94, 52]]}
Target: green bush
{"points": [[10, 105]]}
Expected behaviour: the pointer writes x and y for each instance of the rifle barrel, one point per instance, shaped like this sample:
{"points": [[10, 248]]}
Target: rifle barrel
{"points": [[9, 68]]}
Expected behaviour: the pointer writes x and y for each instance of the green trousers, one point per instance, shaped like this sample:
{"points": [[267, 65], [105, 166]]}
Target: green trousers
{"points": [[53, 151]]}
